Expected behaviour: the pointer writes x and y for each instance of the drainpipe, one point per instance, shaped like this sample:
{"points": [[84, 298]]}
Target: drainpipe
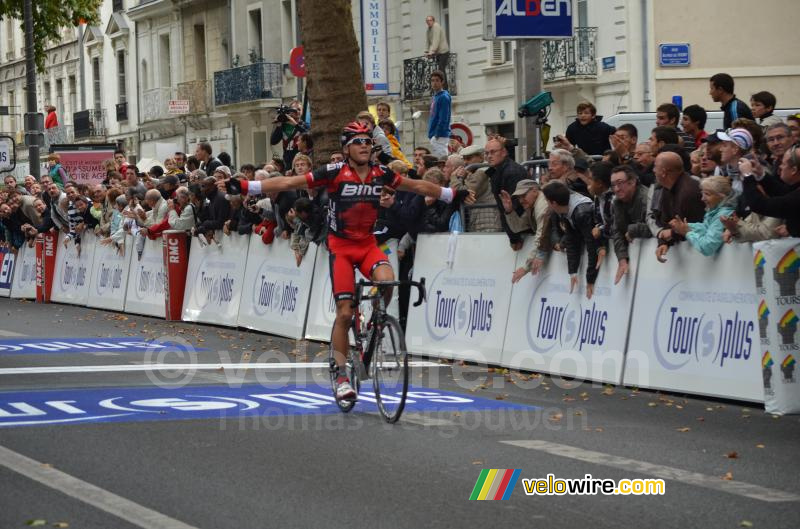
{"points": [[645, 59], [81, 31], [138, 91]]}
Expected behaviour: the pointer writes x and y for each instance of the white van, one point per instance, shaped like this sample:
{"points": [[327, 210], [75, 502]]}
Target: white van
{"points": [[645, 122]]}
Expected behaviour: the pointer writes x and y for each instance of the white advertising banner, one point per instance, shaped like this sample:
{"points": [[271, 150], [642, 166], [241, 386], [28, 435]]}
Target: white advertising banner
{"points": [[110, 272], [321, 307], [23, 284], [7, 261], [777, 271], [468, 279], [553, 331], [146, 279], [73, 271], [276, 293], [694, 326], [215, 281]]}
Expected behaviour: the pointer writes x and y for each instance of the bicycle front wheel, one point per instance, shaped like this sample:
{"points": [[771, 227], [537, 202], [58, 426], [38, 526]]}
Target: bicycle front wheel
{"points": [[390, 369]]}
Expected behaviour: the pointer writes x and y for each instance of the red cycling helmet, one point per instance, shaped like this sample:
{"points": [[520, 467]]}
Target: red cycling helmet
{"points": [[352, 129]]}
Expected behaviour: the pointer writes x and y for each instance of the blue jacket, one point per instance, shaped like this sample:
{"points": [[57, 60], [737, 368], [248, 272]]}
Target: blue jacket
{"points": [[439, 122], [706, 236]]}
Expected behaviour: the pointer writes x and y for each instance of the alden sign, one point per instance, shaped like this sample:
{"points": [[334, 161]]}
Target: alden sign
{"points": [[527, 19]]}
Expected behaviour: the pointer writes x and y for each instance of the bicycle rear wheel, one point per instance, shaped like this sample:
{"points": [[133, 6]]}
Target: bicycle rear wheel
{"points": [[389, 369], [352, 372]]}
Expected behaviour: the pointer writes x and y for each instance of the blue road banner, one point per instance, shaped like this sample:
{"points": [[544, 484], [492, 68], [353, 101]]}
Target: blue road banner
{"points": [[62, 407], [88, 345]]}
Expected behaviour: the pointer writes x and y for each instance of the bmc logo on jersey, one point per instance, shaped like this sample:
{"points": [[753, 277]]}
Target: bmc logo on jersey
{"points": [[360, 190], [534, 8]]}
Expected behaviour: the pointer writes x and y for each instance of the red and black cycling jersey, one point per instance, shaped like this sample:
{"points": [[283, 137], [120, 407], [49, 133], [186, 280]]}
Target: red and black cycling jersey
{"points": [[353, 204]]}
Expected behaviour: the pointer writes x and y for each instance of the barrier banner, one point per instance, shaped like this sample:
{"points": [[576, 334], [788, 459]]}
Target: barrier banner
{"points": [[468, 279], [777, 270], [276, 292], [146, 280], [110, 271], [694, 326], [322, 308], [24, 280], [552, 331], [215, 280], [73, 271], [176, 259], [7, 260], [46, 251]]}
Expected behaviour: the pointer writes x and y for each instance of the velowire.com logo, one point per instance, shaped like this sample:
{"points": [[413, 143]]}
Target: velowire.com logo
{"points": [[495, 484]]}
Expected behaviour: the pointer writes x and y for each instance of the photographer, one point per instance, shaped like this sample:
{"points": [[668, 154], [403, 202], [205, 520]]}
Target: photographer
{"points": [[288, 130]]}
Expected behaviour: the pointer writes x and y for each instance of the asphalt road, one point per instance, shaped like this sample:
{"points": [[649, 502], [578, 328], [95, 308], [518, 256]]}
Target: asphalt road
{"points": [[261, 447]]}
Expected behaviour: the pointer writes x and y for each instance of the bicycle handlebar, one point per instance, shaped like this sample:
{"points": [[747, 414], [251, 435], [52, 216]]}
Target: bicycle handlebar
{"points": [[420, 285]]}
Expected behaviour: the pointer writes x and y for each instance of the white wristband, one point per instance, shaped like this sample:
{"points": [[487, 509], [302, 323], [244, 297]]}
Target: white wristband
{"points": [[446, 195], [254, 187]]}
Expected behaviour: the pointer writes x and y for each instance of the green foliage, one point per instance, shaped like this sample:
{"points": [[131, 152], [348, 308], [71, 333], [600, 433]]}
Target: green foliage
{"points": [[49, 17]]}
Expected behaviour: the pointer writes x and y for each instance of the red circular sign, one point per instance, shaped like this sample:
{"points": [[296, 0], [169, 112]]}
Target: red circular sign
{"points": [[463, 132], [297, 62]]}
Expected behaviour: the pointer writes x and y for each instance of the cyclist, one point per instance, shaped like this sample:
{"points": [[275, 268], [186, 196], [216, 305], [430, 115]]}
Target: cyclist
{"points": [[356, 188]]}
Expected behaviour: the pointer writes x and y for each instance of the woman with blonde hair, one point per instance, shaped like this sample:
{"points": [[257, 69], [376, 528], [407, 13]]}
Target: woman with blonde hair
{"points": [[720, 200]]}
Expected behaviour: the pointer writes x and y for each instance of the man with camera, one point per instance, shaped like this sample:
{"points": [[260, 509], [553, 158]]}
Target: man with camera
{"points": [[289, 128]]}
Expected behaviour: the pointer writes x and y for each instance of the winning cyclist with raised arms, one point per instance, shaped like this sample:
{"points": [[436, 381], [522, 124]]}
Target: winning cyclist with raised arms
{"points": [[355, 188]]}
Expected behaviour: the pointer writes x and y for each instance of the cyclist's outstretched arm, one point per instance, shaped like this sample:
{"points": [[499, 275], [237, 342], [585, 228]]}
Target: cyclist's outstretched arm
{"points": [[429, 189], [272, 185]]}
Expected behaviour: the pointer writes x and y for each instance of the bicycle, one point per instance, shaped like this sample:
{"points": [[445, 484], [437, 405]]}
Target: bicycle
{"points": [[377, 350]]}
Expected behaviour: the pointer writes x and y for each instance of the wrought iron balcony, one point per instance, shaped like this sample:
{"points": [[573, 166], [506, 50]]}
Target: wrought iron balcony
{"points": [[155, 104], [89, 124], [573, 58], [417, 76], [122, 111], [262, 80], [198, 95], [57, 136]]}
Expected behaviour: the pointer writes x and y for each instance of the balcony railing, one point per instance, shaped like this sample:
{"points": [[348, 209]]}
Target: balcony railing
{"points": [[122, 111], [570, 58], [198, 95], [262, 80], [57, 136], [155, 103], [417, 76], [89, 124]]}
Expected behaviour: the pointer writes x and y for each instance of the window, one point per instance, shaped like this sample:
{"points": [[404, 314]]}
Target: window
{"points": [[9, 39], [145, 78], [117, 5], [445, 22], [583, 14], [98, 103], [46, 93], [73, 96], [121, 88], [255, 36], [59, 104], [200, 51], [12, 111], [165, 61]]}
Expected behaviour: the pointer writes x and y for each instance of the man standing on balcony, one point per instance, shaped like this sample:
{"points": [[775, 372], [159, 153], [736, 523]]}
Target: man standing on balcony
{"points": [[438, 48], [439, 122], [51, 121]]}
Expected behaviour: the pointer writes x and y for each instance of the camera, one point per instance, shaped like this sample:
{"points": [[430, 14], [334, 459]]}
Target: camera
{"points": [[282, 114], [536, 106]]}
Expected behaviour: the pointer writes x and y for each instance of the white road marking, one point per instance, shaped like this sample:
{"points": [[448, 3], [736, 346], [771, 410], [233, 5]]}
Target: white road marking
{"points": [[86, 492], [11, 334], [39, 370], [652, 470], [426, 420]]}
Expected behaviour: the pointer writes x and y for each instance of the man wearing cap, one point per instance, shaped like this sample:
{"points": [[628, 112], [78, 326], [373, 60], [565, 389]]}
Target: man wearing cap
{"points": [[481, 218], [736, 143], [533, 219], [167, 186]]}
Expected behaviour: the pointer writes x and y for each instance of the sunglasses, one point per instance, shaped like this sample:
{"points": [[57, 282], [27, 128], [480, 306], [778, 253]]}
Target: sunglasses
{"points": [[360, 141]]}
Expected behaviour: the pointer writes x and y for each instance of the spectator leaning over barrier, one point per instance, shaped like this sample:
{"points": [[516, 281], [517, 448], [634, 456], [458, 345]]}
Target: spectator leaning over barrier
{"points": [[736, 143], [623, 141], [762, 104], [694, 123], [721, 91], [575, 214], [786, 206], [561, 166], [679, 199], [120, 203], [588, 130], [793, 122], [438, 214], [706, 236], [213, 216], [480, 217], [504, 175], [134, 183], [778, 138], [309, 226], [630, 208], [603, 196], [534, 219], [644, 159], [669, 115]]}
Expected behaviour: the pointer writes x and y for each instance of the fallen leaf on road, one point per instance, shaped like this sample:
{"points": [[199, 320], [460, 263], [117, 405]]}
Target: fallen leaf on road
{"points": [[578, 413], [732, 455], [728, 476], [36, 523], [500, 397], [556, 417], [701, 419], [679, 406], [652, 404], [477, 462], [683, 430], [608, 391], [568, 399], [61, 525], [584, 394], [746, 523], [598, 429], [760, 446]]}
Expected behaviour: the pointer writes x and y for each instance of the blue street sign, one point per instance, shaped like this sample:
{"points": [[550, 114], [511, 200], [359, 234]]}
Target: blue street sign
{"points": [[21, 346], [609, 63], [532, 19], [674, 54], [39, 408]]}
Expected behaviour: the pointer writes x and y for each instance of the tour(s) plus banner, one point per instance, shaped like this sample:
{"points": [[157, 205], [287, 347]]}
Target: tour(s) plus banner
{"points": [[7, 261], [276, 293], [23, 284], [777, 270], [468, 279], [215, 280], [694, 327], [146, 280], [551, 330], [110, 271], [322, 308], [73, 270]]}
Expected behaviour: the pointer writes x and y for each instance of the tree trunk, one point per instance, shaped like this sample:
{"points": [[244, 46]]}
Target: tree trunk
{"points": [[333, 65]]}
